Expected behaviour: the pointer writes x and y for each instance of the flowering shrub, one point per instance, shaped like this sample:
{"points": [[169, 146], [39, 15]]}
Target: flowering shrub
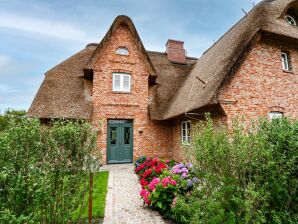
{"points": [[162, 181], [160, 193], [147, 168]]}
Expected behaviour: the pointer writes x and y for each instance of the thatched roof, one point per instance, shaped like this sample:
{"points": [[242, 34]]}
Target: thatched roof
{"points": [[180, 88], [217, 63], [63, 92]]}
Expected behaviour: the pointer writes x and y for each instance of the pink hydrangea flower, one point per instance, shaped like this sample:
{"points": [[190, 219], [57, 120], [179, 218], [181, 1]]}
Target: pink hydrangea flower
{"points": [[153, 183], [173, 182], [145, 194], [166, 181]]}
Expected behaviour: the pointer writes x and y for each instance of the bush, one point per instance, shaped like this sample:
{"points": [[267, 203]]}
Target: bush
{"points": [[247, 175], [162, 181], [10, 114], [42, 169], [147, 168]]}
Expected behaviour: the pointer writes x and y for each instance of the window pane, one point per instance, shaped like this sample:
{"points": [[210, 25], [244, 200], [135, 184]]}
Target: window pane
{"points": [[275, 115], [117, 82], [284, 60], [188, 125], [122, 51], [126, 83], [127, 135], [113, 135]]}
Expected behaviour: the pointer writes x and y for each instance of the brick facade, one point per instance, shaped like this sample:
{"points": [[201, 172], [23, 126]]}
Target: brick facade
{"points": [[150, 138], [258, 87], [261, 86]]}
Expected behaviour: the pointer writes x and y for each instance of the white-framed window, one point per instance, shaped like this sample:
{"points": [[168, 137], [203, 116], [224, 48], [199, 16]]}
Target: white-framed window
{"points": [[122, 51], [121, 82], [291, 20], [285, 61], [185, 132], [275, 115]]}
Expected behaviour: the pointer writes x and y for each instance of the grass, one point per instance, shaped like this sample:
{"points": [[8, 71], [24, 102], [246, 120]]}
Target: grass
{"points": [[100, 187]]}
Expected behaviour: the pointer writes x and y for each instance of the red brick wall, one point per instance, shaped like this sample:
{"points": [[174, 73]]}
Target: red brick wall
{"points": [[261, 85], [149, 138], [178, 150]]}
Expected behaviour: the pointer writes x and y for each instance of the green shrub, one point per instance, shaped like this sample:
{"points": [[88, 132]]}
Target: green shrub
{"points": [[42, 169], [10, 114], [247, 175]]}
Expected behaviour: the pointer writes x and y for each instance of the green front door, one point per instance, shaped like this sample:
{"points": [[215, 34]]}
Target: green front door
{"points": [[120, 141]]}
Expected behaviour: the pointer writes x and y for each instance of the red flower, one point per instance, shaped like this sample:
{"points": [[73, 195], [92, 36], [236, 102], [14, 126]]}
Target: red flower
{"points": [[143, 182], [147, 173]]}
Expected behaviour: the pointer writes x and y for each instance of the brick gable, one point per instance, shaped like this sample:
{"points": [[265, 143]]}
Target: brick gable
{"points": [[148, 136], [261, 85]]}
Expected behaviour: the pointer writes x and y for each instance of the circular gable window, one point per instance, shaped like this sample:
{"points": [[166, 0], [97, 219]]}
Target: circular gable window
{"points": [[122, 51], [291, 20]]}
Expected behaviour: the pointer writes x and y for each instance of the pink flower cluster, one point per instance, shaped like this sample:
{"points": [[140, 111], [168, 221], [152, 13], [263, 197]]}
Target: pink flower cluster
{"points": [[153, 183], [145, 194], [168, 180]]}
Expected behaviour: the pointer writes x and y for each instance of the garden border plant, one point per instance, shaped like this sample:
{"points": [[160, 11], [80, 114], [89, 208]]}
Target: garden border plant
{"points": [[245, 174], [42, 169]]}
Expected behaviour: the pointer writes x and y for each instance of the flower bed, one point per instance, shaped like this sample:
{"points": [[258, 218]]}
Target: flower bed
{"points": [[162, 181]]}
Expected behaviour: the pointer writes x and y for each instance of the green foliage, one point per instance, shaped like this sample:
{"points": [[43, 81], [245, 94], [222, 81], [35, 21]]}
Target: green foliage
{"points": [[162, 196], [42, 169], [247, 174], [10, 114]]}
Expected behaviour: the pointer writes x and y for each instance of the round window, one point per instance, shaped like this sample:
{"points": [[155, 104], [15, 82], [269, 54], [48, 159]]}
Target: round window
{"points": [[122, 51], [290, 20]]}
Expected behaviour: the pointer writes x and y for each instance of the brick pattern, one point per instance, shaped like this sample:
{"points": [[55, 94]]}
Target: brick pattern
{"points": [[261, 85], [123, 203], [150, 138], [176, 51], [258, 87]]}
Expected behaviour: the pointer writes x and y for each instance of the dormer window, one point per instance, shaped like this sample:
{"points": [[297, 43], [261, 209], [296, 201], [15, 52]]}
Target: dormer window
{"points": [[122, 51], [291, 20]]}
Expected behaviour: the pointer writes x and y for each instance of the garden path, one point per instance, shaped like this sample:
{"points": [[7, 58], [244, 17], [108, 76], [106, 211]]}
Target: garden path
{"points": [[123, 202]]}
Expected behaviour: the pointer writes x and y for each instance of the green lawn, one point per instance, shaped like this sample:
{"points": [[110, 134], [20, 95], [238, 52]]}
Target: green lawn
{"points": [[100, 187]]}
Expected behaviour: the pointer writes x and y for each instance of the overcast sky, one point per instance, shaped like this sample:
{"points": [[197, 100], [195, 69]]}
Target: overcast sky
{"points": [[36, 35]]}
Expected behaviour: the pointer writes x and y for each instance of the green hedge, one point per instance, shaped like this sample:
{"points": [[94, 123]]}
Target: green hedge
{"points": [[247, 175], [42, 169]]}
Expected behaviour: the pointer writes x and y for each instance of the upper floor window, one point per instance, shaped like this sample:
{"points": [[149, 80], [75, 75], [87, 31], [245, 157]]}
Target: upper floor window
{"points": [[285, 61], [121, 82], [122, 51], [185, 132], [291, 20], [275, 115]]}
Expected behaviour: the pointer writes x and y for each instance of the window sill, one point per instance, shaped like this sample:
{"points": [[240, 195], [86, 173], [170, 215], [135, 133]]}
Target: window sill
{"points": [[288, 71], [121, 92], [185, 144]]}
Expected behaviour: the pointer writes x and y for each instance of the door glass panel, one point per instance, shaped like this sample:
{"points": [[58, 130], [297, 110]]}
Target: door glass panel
{"points": [[126, 135], [113, 135]]}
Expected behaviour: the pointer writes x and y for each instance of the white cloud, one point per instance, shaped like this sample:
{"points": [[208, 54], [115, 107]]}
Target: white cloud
{"points": [[4, 60], [41, 26]]}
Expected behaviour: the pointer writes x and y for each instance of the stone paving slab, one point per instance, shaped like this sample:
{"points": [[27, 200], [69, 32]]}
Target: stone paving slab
{"points": [[123, 202]]}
